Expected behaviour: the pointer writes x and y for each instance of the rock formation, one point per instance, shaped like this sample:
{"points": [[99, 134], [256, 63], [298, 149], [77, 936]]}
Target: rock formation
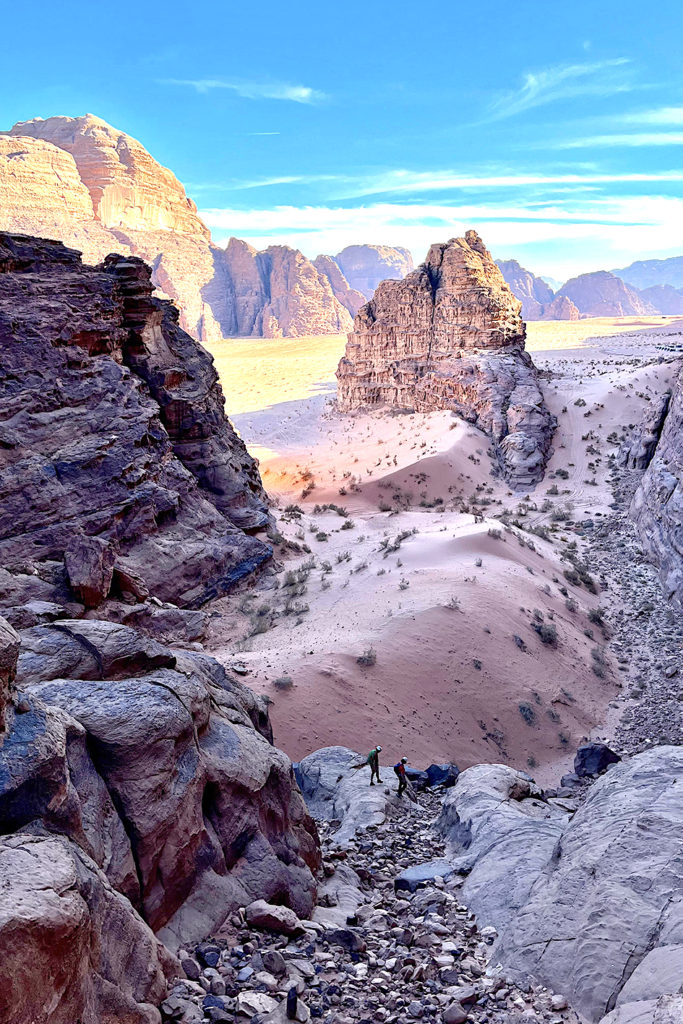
{"points": [[450, 336], [561, 308], [350, 299], [97, 189], [138, 790], [604, 294], [532, 291], [572, 909], [113, 429], [657, 507], [364, 266]]}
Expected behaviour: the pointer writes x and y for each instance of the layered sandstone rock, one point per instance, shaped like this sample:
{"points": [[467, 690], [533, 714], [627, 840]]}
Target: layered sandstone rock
{"points": [[665, 298], [532, 291], [114, 428], [450, 335], [604, 294], [364, 266], [657, 507], [97, 189]]}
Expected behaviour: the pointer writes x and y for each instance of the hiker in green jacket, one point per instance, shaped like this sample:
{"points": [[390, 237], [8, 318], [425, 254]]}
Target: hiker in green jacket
{"points": [[373, 760]]}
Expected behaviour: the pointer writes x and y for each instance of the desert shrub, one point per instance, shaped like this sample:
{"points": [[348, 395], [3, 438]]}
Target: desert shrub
{"points": [[571, 605], [494, 532], [348, 524], [368, 657], [453, 603], [283, 683], [596, 616], [547, 633], [527, 713]]}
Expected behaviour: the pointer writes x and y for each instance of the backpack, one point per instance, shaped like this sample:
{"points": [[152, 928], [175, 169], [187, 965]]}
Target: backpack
{"points": [[397, 769]]}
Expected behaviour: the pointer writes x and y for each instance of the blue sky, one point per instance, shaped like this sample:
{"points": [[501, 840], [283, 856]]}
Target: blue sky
{"points": [[556, 130]]}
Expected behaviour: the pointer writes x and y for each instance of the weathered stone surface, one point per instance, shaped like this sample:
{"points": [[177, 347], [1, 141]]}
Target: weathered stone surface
{"points": [[9, 651], [154, 763], [657, 507], [594, 759], [84, 182], [500, 834], [609, 896], [89, 563], [450, 335], [637, 451], [604, 294], [71, 947], [664, 1010], [663, 297], [532, 291], [261, 914], [114, 428], [334, 791], [364, 266]]}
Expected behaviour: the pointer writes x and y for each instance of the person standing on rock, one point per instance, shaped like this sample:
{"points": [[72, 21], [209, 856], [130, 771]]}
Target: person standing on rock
{"points": [[400, 770], [373, 760]]}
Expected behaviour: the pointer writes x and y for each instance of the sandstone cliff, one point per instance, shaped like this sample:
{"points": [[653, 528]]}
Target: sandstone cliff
{"points": [[350, 298], [97, 189], [665, 298], [604, 294], [113, 429], [658, 503], [364, 266], [450, 335], [561, 308], [532, 291]]}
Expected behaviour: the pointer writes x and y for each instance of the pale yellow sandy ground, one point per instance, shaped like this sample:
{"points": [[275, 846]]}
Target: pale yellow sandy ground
{"points": [[447, 682]]}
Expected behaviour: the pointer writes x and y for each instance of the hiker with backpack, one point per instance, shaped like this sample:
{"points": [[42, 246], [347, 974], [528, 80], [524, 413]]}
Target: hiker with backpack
{"points": [[400, 770], [373, 761]]}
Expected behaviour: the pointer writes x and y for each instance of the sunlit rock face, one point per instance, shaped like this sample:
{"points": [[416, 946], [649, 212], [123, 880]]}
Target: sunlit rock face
{"points": [[450, 336], [91, 186]]}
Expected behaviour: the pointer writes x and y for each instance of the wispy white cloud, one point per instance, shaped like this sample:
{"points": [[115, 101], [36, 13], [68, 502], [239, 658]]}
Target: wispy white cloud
{"points": [[564, 81], [659, 116], [251, 90], [561, 239], [628, 139]]}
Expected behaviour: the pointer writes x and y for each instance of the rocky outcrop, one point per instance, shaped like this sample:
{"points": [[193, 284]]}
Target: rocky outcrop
{"points": [[532, 291], [154, 773], [350, 299], [561, 308], [450, 336], [97, 189], [604, 294], [588, 905], [72, 948], [364, 266], [113, 428], [657, 507]]}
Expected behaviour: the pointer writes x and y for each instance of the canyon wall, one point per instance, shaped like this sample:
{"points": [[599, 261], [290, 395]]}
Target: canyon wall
{"points": [[364, 266], [91, 186], [657, 507], [532, 291], [450, 335], [141, 798]]}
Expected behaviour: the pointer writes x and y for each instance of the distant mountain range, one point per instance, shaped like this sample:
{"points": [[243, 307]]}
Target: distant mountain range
{"points": [[645, 288], [91, 186]]}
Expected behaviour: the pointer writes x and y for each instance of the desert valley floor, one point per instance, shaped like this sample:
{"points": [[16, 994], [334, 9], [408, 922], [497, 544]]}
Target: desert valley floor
{"points": [[435, 611]]}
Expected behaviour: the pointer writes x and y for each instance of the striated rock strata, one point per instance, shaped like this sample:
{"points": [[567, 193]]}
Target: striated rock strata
{"points": [[84, 182], [657, 507], [450, 336], [113, 428]]}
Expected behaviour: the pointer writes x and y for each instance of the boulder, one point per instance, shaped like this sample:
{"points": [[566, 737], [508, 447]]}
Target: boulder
{"points": [[269, 917], [594, 759], [500, 834], [445, 775], [664, 1010], [418, 875], [72, 948], [605, 911], [89, 564], [450, 336]]}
